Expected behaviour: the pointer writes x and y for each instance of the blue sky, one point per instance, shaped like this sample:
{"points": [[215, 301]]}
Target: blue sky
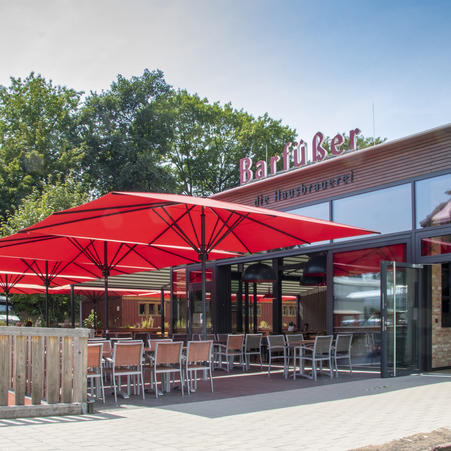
{"points": [[316, 65]]}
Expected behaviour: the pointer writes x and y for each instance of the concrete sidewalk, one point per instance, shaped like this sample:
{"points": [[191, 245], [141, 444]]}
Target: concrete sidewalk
{"points": [[328, 417]]}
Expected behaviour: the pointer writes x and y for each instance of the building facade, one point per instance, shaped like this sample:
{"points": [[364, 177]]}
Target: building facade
{"points": [[390, 289]]}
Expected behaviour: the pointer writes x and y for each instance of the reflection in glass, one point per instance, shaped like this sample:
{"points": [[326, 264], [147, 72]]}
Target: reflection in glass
{"points": [[318, 211], [436, 245], [385, 211], [196, 311], [357, 303], [179, 303], [433, 201]]}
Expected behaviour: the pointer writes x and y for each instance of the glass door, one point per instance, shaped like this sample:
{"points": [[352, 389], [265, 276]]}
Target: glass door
{"points": [[195, 311], [400, 318]]}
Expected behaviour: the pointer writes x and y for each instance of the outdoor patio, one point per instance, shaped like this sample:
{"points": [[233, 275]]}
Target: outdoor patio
{"points": [[233, 385]]}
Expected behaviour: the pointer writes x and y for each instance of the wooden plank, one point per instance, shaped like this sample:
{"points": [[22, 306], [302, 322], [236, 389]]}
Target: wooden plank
{"points": [[80, 370], [67, 372], [53, 370], [44, 331], [37, 370], [20, 351], [4, 369]]}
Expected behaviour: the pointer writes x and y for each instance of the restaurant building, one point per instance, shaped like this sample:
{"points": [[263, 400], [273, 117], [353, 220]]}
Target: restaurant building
{"points": [[390, 289]]}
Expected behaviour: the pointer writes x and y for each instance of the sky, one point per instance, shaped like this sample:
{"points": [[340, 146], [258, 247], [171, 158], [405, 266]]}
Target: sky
{"points": [[318, 65]]}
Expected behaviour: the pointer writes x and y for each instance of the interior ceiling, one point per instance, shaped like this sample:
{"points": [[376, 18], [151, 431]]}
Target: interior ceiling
{"points": [[155, 280], [293, 268], [147, 280]]}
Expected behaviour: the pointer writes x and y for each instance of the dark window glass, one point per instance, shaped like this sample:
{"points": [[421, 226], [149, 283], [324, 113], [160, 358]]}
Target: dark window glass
{"points": [[433, 201], [386, 211], [436, 245], [142, 309]]}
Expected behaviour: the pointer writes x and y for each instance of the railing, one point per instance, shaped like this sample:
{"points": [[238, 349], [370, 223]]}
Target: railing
{"points": [[42, 371]]}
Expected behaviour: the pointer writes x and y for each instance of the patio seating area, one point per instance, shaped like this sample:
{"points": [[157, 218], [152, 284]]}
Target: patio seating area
{"points": [[193, 368]]}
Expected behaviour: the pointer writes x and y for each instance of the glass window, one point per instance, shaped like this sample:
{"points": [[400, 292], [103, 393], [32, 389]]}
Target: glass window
{"points": [[179, 320], [142, 309], [436, 245], [357, 301], [385, 211], [318, 211], [433, 201]]}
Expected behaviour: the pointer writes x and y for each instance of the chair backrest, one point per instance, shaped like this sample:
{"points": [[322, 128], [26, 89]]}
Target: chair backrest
{"points": [[222, 338], [95, 355], [323, 344], [235, 342], [152, 342], [343, 343], [144, 336], [253, 342], [199, 351], [276, 341], [196, 337], [128, 353], [168, 353], [294, 339]]}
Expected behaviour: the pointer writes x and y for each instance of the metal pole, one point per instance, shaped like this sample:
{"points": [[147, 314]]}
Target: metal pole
{"points": [[46, 283], [203, 257], [255, 308], [105, 276], [394, 318], [80, 304], [162, 312], [7, 299], [72, 306], [246, 307]]}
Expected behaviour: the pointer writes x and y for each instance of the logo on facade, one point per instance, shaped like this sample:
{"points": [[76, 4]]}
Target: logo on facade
{"points": [[296, 155]]}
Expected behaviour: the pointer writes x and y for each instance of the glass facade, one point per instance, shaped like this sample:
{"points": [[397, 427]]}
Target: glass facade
{"points": [[387, 210], [179, 307], [318, 211], [436, 245], [433, 201], [357, 303]]}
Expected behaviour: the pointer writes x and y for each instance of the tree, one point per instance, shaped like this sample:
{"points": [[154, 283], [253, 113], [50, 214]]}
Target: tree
{"points": [[208, 141], [33, 208], [125, 136], [36, 136], [40, 204]]}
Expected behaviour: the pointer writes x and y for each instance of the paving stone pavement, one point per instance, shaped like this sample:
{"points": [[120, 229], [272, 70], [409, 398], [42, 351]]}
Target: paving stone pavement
{"points": [[341, 416]]}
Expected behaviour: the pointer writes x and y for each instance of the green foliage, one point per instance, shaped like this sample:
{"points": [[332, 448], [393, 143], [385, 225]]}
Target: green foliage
{"points": [[32, 307], [36, 135], [40, 204], [208, 141], [125, 136], [92, 321]]}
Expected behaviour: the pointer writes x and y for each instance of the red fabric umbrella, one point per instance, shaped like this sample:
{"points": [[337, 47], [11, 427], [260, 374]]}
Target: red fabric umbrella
{"points": [[49, 257], [202, 224]]}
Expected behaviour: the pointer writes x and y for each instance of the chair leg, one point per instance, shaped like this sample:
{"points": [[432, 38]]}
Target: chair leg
{"points": [[269, 363], [211, 380], [114, 386]]}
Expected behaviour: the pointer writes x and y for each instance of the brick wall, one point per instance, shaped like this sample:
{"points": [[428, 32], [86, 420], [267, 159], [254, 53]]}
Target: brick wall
{"points": [[441, 336]]}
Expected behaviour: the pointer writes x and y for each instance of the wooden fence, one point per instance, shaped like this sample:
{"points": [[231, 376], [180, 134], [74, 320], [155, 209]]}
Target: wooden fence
{"points": [[42, 371]]}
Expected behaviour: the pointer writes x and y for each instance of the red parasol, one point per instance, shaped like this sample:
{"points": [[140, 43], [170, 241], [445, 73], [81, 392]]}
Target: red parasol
{"points": [[202, 224]]}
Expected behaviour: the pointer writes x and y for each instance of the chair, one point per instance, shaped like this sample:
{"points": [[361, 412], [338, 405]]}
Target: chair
{"points": [[293, 340], [221, 338], [319, 353], [95, 370], [128, 361], [342, 350], [166, 360], [152, 342], [144, 336], [277, 350], [198, 357], [233, 348], [253, 346]]}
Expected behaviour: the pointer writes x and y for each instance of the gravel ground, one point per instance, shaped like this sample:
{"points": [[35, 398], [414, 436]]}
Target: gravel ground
{"points": [[438, 440]]}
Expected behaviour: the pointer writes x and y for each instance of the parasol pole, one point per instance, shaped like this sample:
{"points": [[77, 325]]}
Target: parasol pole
{"points": [[72, 305], [7, 299], [255, 308], [203, 258], [46, 283], [105, 277]]}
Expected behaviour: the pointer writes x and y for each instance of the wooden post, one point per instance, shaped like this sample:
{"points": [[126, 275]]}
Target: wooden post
{"points": [[37, 370], [4, 369], [20, 351], [66, 389], [53, 370]]}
